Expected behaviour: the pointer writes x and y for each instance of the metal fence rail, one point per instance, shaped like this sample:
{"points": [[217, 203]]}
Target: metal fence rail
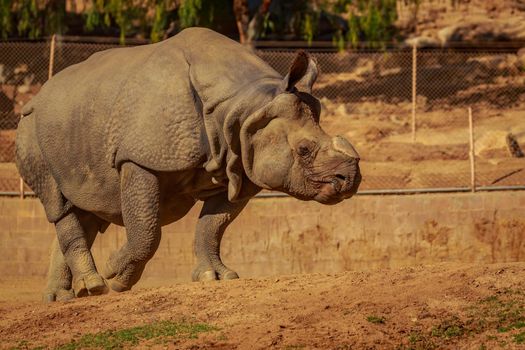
{"points": [[406, 111]]}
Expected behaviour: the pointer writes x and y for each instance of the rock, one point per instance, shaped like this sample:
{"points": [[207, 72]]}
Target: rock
{"points": [[514, 146], [445, 34], [521, 59], [481, 31], [503, 64], [423, 42], [375, 134], [341, 111], [492, 144]]}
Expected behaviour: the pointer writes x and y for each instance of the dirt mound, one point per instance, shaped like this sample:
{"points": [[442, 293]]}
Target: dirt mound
{"points": [[442, 306]]}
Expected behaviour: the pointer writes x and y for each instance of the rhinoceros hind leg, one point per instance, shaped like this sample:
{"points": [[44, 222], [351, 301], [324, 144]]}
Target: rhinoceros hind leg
{"points": [[140, 198], [216, 214], [76, 233], [59, 277]]}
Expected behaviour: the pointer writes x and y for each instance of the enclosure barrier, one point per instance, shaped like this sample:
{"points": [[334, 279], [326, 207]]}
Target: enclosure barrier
{"points": [[437, 120]]}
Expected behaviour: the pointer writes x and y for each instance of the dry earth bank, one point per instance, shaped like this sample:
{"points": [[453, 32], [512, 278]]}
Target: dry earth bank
{"points": [[443, 306]]}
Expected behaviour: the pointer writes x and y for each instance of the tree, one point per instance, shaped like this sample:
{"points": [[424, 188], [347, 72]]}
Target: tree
{"points": [[364, 20], [242, 18]]}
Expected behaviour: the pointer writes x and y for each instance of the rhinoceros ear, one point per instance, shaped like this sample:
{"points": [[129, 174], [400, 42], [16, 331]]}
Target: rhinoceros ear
{"points": [[307, 82], [303, 70]]}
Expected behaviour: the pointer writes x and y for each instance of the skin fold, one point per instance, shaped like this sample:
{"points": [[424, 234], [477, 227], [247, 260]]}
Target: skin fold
{"points": [[136, 136]]}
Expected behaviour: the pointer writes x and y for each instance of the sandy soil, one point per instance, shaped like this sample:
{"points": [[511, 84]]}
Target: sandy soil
{"points": [[443, 306]]}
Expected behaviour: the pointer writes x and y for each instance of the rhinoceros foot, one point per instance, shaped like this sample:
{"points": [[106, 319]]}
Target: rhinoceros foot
{"points": [[122, 272], [92, 284], [202, 274], [57, 294]]}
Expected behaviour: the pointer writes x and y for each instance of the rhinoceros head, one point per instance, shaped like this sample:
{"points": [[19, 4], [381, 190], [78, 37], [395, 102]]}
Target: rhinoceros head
{"points": [[285, 149]]}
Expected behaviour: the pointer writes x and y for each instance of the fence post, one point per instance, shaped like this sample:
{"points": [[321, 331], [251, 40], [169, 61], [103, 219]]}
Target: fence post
{"points": [[51, 56], [414, 90], [472, 153], [21, 188]]}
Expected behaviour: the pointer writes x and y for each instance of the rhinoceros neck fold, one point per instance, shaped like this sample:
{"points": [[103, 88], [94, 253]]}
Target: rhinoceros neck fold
{"points": [[222, 127]]}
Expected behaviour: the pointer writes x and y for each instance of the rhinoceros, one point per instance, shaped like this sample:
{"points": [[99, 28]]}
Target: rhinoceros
{"points": [[135, 136]]}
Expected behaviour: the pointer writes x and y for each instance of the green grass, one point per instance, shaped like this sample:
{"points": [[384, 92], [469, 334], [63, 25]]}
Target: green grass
{"points": [[504, 312], [376, 319], [519, 338], [501, 315], [121, 339], [24, 345], [450, 328], [294, 347]]}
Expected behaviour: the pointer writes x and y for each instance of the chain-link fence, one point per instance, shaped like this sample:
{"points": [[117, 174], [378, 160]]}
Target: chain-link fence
{"points": [[406, 111]]}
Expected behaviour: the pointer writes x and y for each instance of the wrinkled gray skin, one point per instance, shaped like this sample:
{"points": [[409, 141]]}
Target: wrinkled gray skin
{"points": [[135, 136]]}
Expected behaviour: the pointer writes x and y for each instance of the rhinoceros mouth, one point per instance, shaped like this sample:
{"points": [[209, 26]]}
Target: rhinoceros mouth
{"points": [[332, 190], [329, 192]]}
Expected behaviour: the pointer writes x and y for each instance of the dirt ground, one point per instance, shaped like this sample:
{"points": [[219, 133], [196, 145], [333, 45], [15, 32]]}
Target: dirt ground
{"points": [[444, 306]]}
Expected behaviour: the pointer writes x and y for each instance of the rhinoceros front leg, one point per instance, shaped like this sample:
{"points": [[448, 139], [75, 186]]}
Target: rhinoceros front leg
{"points": [[140, 198], [216, 214]]}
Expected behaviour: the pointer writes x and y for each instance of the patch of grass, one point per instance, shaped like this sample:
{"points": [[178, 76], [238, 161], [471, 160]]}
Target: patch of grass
{"points": [[24, 345], [418, 341], [414, 337], [222, 337], [293, 347], [124, 338], [501, 315], [515, 325], [519, 338], [376, 319], [449, 328], [504, 312]]}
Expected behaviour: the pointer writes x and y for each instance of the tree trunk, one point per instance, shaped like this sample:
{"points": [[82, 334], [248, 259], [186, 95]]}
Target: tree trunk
{"points": [[255, 26], [242, 18]]}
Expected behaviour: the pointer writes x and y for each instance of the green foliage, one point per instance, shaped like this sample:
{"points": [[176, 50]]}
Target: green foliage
{"points": [[200, 12], [268, 25], [502, 316], [121, 339], [33, 18], [159, 23], [519, 338], [449, 329], [28, 15], [376, 319], [309, 28], [370, 21], [190, 13], [6, 22], [36, 18]]}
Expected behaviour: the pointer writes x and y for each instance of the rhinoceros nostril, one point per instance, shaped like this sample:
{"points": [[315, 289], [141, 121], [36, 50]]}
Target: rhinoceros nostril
{"points": [[340, 177]]}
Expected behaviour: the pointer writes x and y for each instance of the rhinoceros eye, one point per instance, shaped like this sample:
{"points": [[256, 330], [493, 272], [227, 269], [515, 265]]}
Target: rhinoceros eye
{"points": [[303, 151], [305, 148]]}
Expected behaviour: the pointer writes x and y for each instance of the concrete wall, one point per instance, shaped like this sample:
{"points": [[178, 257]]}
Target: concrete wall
{"points": [[284, 235]]}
